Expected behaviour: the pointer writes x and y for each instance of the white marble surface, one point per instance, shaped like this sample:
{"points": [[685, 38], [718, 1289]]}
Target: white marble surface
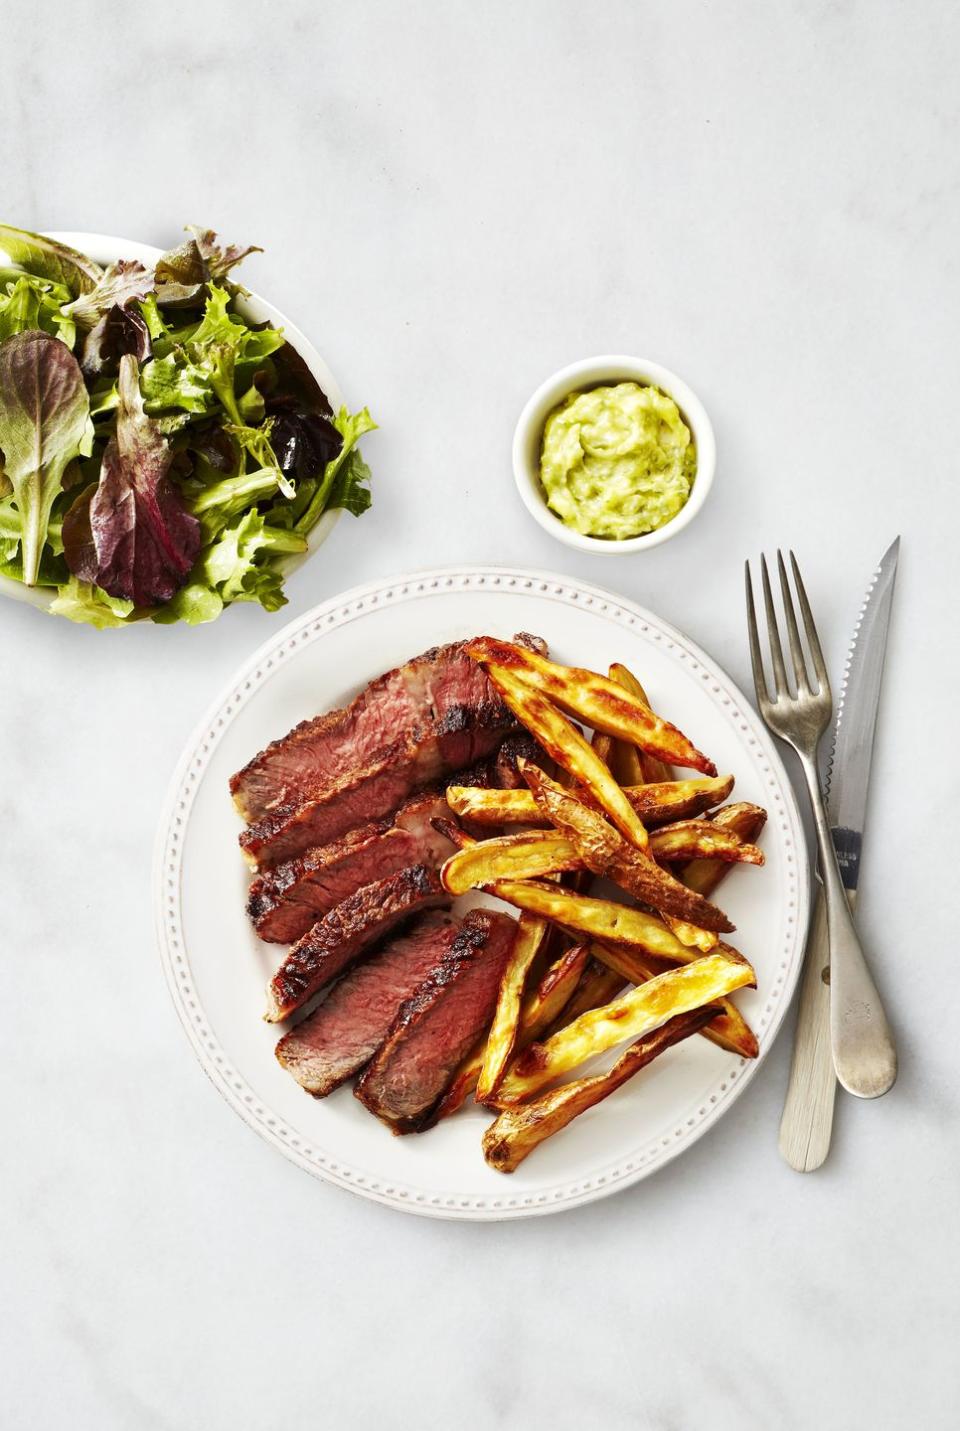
{"points": [[454, 200]]}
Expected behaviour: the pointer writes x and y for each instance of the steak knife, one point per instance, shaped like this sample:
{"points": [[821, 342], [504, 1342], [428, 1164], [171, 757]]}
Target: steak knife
{"points": [[807, 1121]]}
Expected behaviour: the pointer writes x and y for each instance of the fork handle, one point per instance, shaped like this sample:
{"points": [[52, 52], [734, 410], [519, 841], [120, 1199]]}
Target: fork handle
{"points": [[806, 1124], [864, 1055]]}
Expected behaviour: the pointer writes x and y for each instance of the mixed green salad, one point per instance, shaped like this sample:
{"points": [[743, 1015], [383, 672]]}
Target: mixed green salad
{"points": [[160, 457]]}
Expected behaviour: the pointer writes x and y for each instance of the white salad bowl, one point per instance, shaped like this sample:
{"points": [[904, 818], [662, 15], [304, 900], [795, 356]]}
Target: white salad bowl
{"points": [[580, 377], [106, 249]]}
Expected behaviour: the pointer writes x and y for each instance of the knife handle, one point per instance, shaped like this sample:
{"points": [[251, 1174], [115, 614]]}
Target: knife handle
{"points": [[807, 1121]]}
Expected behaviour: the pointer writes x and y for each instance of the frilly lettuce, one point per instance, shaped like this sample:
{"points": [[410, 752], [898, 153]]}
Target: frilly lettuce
{"points": [[207, 451]]}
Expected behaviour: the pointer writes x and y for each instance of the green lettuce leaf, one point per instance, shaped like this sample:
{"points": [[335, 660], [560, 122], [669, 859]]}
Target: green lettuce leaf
{"points": [[217, 502], [351, 486], [239, 565], [176, 382], [209, 364], [255, 441], [233, 564], [194, 603], [348, 490], [28, 302], [44, 424], [81, 602], [48, 259]]}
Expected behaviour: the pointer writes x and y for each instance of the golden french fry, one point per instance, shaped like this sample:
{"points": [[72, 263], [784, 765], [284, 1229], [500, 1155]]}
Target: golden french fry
{"points": [[627, 762], [608, 855], [492, 807], [596, 918], [729, 1029], [603, 748], [743, 819], [598, 985], [702, 839], [517, 1131], [653, 769], [655, 804], [531, 933], [525, 856], [637, 1012], [703, 875], [593, 698], [631, 942], [693, 935], [541, 1007], [564, 743]]}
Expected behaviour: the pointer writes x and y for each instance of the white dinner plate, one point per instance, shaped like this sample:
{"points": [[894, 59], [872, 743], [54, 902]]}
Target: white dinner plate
{"points": [[217, 969]]}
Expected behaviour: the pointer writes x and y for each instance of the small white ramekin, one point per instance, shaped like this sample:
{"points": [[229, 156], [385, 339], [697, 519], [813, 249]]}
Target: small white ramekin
{"points": [[591, 373]]}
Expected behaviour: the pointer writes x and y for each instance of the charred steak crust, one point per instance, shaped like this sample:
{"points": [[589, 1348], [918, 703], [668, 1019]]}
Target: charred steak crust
{"points": [[375, 792], [350, 928], [514, 749], [438, 1025], [284, 902], [335, 1041], [441, 696]]}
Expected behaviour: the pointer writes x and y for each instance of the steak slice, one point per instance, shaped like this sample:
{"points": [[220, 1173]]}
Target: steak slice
{"points": [[439, 1026], [350, 1025], [430, 715], [351, 927], [514, 749], [284, 902], [368, 795]]}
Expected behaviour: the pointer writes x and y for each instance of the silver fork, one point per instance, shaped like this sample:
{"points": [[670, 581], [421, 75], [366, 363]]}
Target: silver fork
{"points": [[863, 1051]]}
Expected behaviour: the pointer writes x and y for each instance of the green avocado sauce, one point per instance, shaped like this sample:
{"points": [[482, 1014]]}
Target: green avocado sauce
{"points": [[617, 461]]}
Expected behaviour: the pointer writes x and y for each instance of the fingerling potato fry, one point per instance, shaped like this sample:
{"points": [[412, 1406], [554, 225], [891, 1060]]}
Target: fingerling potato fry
{"points": [[592, 698], [635, 1013], [596, 918], [746, 821], [624, 940], [516, 1132], [608, 855], [702, 839], [531, 855], [728, 1030], [531, 933], [703, 875], [655, 804], [598, 985], [653, 768], [564, 744]]}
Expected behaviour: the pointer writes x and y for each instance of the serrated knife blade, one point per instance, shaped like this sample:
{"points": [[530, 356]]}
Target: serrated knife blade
{"points": [[847, 775]]}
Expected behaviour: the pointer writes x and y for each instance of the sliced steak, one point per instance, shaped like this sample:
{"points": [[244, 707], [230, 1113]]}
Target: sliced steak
{"points": [[284, 902], [433, 714], [514, 749], [346, 1030], [362, 798], [439, 1026], [349, 929]]}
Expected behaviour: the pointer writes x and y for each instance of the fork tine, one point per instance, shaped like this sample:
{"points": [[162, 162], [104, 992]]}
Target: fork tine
{"points": [[773, 631], [813, 640], [756, 659], [793, 631]]}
